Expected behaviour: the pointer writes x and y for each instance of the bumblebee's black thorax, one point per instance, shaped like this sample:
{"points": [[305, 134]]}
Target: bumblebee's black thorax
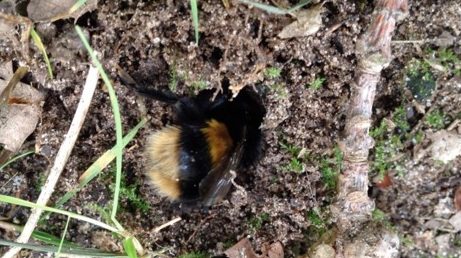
{"points": [[241, 117], [194, 161]]}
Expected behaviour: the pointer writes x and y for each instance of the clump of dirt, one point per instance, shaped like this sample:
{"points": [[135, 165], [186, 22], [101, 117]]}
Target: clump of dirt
{"points": [[154, 43]]}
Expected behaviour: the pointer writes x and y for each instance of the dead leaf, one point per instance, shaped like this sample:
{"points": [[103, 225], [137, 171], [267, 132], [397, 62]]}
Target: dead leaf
{"points": [[244, 249], [52, 10], [274, 250], [104, 241], [19, 114], [308, 23], [8, 23], [446, 146], [383, 182]]}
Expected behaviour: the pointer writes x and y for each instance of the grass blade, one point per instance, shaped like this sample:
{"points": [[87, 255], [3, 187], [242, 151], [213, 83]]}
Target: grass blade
{"points": [[265, 7], [77, 5], [118, 124], [194, 11], [52, 240], [274, 9], [37, 235], [20, 202], [38, 42], [63, 237], [128, 245], [298, 6], [86, 252], [99, 165], [13, 159]]}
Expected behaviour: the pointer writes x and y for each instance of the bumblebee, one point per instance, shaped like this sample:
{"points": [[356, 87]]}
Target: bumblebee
{"points": [[192, 160]]}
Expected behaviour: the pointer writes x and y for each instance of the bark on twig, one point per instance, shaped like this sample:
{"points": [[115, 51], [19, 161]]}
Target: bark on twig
{"points": [[61, 159], [353, 207]]}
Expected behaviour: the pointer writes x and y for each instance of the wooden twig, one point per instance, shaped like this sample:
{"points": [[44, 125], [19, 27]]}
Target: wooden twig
{"points": [[169, 223], [373, 49], [61, 158], [352, 208]]}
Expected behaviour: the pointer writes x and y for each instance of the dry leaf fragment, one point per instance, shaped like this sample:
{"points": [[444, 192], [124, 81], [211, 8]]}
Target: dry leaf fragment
{"points": [[8, 23], [19, 115], [308, 23], [383, 182], [244, 249], [274, 250], [104, 241], [52, 10]]}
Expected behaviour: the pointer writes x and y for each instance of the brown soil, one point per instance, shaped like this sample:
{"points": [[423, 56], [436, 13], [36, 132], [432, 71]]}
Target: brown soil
{"points": [[150, 39]]}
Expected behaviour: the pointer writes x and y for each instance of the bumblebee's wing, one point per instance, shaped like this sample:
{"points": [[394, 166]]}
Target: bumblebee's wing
{"points": [[215, 186]]}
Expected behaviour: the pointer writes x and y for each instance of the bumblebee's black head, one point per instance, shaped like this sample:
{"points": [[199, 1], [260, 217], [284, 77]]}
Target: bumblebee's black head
{"points": [[244, 115]]}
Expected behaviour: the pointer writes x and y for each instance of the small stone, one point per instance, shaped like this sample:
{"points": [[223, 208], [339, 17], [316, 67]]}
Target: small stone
{"points": [[455, 221], [443, 244], [446, 146], [433, 224], [323, 251], [444, 208]]}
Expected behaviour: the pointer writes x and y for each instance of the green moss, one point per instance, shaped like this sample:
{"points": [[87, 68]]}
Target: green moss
{"points": [[295, 164], [290, 148], [406, 241], [436, 119], [131, 194], [272, 72], [279, 90], [330, 168], [103, 211], [174, 78], [420, 75], [399, 117], [199, 85], [315, 219], [447, 57], [329, 174], [418, 137], [380, 131], [317, 83], [256, 222], [388, 144], [380, 217], [420, 79]]}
